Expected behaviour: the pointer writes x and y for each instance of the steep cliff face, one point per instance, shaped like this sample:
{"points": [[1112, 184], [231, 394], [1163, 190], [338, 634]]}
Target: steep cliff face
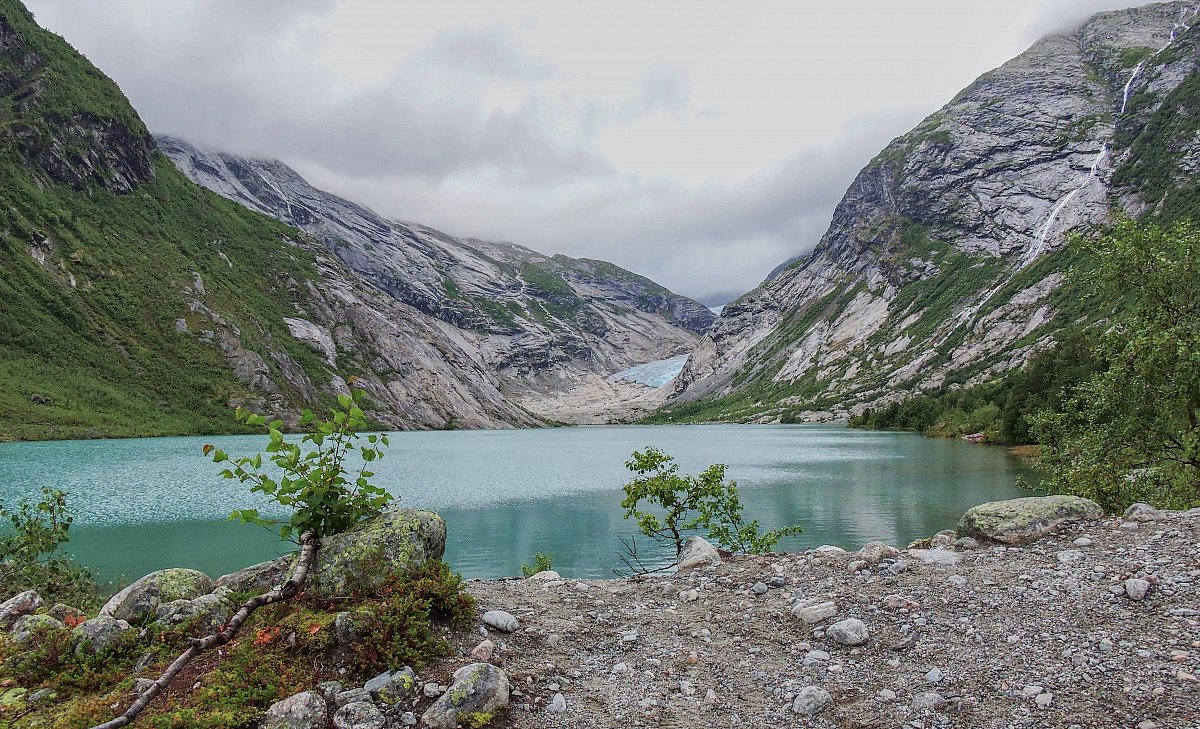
{"points": [[544, 331], [944, 261]]}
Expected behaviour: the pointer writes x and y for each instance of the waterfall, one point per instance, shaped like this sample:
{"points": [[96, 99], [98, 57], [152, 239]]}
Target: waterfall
{"points": [[1043, 233]]}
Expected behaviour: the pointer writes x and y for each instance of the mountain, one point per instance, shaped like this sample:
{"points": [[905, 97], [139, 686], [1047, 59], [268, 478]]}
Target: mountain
{"points": [[944, 262], [551, 328], [134, 302]]}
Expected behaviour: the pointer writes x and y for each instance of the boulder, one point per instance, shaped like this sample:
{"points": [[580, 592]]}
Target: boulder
{"points": [[68, 615], [1020, 521], [139, 602], [23, 603], [29, 630], [392, 687], [203, 615], [359, 715], [697, 551], [1143, 512], [259, 577], [478, 692], [547, 575], [360, 561], [101, 634], [305, 710]]}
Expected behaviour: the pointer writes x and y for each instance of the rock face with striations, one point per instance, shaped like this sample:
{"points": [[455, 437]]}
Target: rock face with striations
{"points": [[944, 261], [453, 330]]}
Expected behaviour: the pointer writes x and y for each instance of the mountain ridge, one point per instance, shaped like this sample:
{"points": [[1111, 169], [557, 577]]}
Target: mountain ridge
{"points": [[945, 261]]}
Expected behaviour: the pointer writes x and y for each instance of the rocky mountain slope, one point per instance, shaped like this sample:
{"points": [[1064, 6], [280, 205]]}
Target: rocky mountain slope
{"points": [[944, 262], [135, 302], [550, 328]]}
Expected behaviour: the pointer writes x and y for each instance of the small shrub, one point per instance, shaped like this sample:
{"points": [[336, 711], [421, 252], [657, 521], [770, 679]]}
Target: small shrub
{"points": [[686, 503], [542, 562], [30, 557], [322, 494], [406, 626]]}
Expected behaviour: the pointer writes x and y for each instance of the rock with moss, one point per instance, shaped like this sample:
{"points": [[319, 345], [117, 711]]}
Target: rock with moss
{"points": [[23, 603], [139, 602], [101, 634], [359, 715], [359, 561], [392, 687], [29, 630], [257, 578], [1020, 521], [306, 710], [202, 615], [479, 691]]}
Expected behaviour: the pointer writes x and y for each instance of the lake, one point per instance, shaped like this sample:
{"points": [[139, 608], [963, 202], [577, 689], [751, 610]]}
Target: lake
{"points": [[145, 504]]}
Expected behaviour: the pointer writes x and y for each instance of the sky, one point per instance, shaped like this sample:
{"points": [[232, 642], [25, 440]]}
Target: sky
{"points": [[699, 143]]}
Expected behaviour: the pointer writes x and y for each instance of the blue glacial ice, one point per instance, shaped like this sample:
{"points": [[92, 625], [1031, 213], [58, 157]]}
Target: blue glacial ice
{"points": [[653, 374]]}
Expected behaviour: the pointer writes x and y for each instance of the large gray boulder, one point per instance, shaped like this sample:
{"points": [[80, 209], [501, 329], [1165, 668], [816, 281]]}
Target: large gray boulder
{"points": [[360, 560], [101, 634], [203, 615], [258, 578], [139, 602], [305, 710], [478, 692], [23, 603], [1020, 521], [29, 630]]}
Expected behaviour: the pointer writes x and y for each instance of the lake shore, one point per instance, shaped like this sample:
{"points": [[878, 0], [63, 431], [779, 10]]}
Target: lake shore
{"points": [[1043, 635]]}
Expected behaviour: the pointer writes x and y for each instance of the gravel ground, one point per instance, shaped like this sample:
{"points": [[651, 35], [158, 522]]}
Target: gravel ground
{"points": [[1044, 635]]}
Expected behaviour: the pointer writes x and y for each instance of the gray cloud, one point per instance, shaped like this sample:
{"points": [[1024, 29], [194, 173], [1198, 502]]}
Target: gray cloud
{"points": [[701, 157]]}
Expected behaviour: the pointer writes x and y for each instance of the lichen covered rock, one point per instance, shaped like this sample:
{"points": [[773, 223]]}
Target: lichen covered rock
{"points": [[101, 634], [140, 601], [360, 561], [202, 615], [257, 578], [1020, 521], [478, 692], [29, 630], [305, 710]]}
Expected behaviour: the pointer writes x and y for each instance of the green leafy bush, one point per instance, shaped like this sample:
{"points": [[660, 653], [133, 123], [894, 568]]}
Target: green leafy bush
{"points": [[324, 496], [1132, 432], [31, 556], [687, 503]]}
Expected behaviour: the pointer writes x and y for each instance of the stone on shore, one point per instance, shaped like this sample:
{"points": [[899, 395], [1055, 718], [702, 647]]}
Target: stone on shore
{"points": [[257, 578], [1020, 521], [502, 621], [812, 700], [697, 552], [101, 634], [850, 632]]}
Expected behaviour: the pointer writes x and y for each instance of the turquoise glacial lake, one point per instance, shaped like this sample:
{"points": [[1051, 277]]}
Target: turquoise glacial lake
{"points": [[150, 503]]}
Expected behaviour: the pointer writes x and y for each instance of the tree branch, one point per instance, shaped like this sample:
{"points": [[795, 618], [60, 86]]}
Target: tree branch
{"points": [[286, 591]]}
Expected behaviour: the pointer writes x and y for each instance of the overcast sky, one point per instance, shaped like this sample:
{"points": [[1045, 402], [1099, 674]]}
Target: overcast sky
{"points": [[699, 143]]}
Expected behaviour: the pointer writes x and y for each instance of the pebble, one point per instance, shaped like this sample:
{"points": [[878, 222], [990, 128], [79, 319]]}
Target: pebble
{"points": [[935, 675], [557, 705], [812, 700], [483, 651], [927, 700], [1044, 700], [1031, 690], [501, 621], [851, 632], [1083, 542], [813, 658], [814, 612], [759, 588], [1137, 589], [957, 580]]}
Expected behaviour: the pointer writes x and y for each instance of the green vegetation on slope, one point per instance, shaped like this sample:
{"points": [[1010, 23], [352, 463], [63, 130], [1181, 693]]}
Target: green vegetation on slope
{"points": [[999, 409], [1153, 168], [105, 351]]}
